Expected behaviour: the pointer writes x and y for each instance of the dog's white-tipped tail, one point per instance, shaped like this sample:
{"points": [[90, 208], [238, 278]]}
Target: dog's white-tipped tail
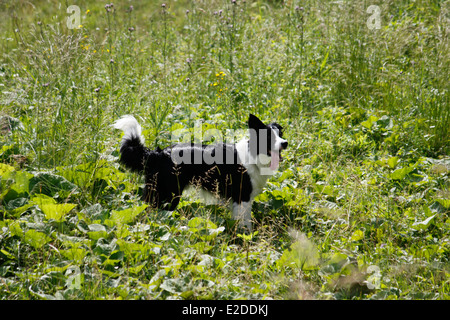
{"points": [[131, 128]]}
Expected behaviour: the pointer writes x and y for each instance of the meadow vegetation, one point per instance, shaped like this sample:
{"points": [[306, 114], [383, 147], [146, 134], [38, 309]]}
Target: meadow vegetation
{"points": [[358, 210]]}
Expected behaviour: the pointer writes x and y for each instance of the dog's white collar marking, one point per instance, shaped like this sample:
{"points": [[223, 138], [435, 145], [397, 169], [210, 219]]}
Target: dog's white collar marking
{"points": [[253, 167]]}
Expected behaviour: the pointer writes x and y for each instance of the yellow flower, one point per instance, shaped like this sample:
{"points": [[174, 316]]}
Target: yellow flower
{"points": [[87, 11]]}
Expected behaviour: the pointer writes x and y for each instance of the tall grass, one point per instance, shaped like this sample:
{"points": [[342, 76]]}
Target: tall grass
{"points": [[302, 56]]}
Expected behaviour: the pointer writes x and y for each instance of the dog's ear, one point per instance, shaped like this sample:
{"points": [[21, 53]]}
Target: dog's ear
{"points": [[277, 126], [255, 123]]}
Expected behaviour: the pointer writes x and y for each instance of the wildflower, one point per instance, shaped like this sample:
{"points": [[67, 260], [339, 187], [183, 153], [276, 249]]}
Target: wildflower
{"points": [[188, 60], [39, 23], [111, 61], [163, 5], [130, 8], [187, 12], [88, 11], [131, 29]]}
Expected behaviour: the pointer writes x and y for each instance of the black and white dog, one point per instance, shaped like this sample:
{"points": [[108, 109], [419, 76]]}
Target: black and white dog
{"points": [[234, 171]]}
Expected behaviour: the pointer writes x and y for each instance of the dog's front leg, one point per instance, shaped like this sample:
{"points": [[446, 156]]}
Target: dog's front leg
{"points": [[242, 212]]}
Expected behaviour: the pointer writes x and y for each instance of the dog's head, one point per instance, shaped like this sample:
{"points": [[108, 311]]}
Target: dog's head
{"points": [[266, 142]]}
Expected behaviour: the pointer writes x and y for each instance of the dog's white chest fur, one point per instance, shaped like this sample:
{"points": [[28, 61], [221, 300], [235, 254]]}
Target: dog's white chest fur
{"points": [[253, 167]]}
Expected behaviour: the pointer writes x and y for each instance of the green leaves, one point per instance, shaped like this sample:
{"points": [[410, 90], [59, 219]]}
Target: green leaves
{"points": [[423, 225], [57, 212], [204, 228], [302, 255], [127, 215], [13, 184], [401, 173], [36, 239], [369, 122], [392, 162], [51, 185], [357, 235]]}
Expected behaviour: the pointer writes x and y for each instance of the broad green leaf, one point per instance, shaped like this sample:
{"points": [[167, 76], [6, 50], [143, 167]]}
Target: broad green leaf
{"points": [[133, 248], [174, 286], [369, 122], [5, 170], [57, 212], [97, 231], [41, 199], [302, 255], [201, 223], [36, 239], [205, 228], [17, 185], [127, 215], [444, 202], [400, 173], [18, 206], [392, 162], [334, 265], [75, 254], [50, 184], [137, 269], [357, 235], [84, 175], [15, 229], [422, 225]]}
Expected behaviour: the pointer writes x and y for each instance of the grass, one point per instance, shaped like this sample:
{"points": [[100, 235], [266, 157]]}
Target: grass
{"points": [[360, 209]]}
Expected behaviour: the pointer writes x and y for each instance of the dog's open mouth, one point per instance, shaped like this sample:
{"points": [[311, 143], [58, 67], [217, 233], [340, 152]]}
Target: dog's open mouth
{"points": [[275, 159]]}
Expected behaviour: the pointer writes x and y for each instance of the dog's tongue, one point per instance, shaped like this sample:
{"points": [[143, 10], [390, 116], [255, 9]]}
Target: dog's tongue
{"points": [[275, 160]]}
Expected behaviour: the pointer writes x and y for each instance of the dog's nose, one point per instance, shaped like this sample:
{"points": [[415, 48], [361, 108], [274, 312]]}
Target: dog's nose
{"points": [[284, 144]]}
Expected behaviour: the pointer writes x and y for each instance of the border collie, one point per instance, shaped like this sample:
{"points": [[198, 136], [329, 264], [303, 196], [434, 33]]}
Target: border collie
{"points": [[235, 172]]}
